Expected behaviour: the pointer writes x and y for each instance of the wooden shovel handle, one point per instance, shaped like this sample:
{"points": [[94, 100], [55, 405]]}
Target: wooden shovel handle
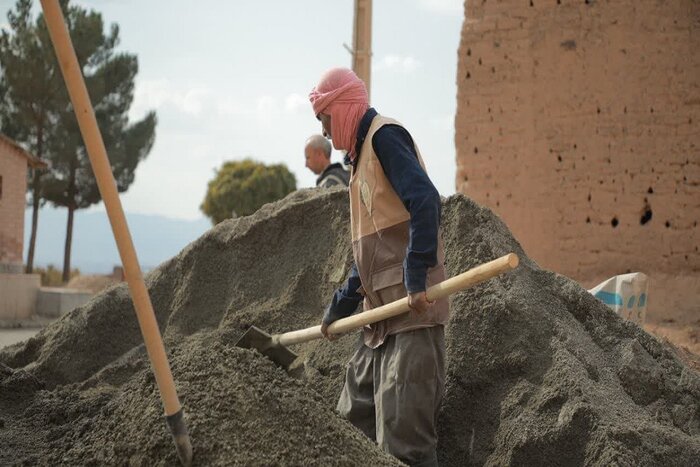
{"points": [[460, 282], [108, 190]]}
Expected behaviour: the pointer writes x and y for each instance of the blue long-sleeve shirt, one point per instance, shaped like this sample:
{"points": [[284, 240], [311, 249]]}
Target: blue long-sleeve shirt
{"points": [[394, 148]]}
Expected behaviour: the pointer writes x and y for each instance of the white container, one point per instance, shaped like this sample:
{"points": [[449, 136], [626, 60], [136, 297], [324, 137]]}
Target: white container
{"points": [[626, 295]]}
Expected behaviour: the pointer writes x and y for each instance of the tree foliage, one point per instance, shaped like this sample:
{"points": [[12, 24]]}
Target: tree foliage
{"points": [[109, 77], [38, 104], [240, 188], [31, 94]]}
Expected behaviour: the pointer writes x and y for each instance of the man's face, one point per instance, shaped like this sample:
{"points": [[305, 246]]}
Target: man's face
{"points": [[316, 161], [325, 125]]}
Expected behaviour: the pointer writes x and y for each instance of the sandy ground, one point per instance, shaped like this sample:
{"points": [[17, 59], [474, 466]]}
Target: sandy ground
{"points": [[683, 335], [12, 336], [538, 371]]}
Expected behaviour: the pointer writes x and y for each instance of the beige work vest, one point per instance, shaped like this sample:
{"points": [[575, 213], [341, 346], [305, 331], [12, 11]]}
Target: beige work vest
{"points": [[380, 235]]}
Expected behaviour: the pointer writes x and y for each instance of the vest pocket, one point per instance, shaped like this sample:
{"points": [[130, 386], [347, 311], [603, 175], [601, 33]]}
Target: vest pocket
{"points": [[387, 284]]}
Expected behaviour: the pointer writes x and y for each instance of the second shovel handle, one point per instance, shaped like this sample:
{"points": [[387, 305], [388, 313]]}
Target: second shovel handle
{"points": [[445, 288]]}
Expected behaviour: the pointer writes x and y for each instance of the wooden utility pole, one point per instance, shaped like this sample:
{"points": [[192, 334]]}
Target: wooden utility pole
{"points": [[362, 41]]}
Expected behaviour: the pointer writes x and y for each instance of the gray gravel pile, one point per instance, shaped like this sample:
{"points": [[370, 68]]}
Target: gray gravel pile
{"points": [[539, 371]]}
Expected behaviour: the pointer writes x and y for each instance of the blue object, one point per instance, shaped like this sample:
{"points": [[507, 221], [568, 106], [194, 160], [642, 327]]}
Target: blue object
{"points": [[642, 300], [609, 298], [630, 302]]}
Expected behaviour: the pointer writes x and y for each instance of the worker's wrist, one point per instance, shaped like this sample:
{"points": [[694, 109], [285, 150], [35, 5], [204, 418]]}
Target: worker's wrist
{"points": [[329, 316], [414, 279]]}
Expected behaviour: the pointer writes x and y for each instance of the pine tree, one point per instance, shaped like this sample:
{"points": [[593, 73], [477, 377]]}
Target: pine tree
{"points": [[35, 109], [109, 77], [29, 95]]}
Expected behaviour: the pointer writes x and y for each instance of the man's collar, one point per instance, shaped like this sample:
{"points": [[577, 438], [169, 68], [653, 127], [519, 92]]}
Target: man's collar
{"points": [[328, 168], [363, 128]]}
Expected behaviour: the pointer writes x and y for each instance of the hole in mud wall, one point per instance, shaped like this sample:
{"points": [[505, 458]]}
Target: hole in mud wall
{"points": [[614, 222], [668, 224], [650, 191], [559, 158], [476, 150], [588, 220], [646, 215], [468, 75], [532, 3]]}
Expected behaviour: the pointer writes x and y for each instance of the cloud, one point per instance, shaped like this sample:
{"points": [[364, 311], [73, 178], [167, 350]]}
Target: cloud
{"points": [[398, 63], [294, 103], [192, 102], [157, 94], [446, 7]]}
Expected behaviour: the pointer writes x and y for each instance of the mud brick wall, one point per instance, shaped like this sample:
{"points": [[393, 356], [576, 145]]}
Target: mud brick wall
{"points": [[13, 170], [578, 123]]}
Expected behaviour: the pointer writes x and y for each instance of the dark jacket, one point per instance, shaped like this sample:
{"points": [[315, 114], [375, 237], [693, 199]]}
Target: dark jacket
{"points": [[333, 175]]}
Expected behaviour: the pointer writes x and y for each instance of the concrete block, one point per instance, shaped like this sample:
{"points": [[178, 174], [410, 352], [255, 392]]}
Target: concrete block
{"points": [[18, 294], [56, 301]]}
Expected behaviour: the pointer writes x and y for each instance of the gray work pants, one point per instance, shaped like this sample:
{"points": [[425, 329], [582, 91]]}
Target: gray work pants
{"points": [[393, 393]]}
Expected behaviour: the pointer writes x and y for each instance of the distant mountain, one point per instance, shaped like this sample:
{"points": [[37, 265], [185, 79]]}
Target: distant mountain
{"points": [[156, 239]]}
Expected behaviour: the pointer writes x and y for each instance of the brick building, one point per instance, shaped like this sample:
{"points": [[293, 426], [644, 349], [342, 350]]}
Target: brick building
{"points": [[13, 186], [577, 122]]}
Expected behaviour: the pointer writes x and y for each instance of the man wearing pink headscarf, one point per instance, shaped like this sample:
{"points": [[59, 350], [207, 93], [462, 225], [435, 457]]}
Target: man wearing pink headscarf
{"points": [[395, 380]]}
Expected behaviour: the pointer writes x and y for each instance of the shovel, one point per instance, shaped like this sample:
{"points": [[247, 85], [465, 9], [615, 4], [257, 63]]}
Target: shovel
{"points": [[85, 114], [274, 346]]}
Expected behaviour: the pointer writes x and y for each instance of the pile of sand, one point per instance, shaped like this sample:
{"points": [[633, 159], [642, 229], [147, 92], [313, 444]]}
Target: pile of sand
{"points": [[94, 283], [539, 372]]}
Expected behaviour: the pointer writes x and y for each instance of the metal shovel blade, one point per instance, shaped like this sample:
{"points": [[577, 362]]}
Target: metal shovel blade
{"points": [[256, 338]]}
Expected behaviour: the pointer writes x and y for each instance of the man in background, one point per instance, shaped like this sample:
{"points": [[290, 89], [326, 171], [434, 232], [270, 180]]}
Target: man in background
{"points": [[318, 159]]}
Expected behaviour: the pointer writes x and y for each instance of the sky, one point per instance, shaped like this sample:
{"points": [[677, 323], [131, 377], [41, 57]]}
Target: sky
{"points": [[230, 80]]}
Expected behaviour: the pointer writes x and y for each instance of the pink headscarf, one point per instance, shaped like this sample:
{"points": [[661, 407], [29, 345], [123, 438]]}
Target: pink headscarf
{"points": [[343, 96]]}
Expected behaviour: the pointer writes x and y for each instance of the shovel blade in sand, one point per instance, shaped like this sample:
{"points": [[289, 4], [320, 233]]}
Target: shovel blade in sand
{"points": [[257, 339], [274, 346]]}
